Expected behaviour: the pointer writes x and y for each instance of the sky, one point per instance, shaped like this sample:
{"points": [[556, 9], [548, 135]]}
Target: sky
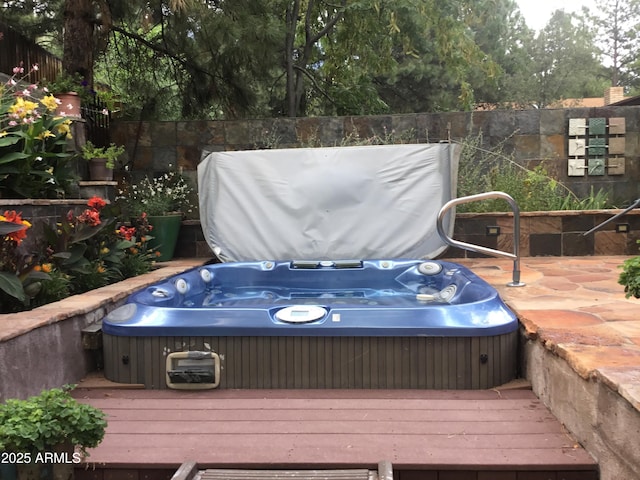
{"points": [[538, 12]]}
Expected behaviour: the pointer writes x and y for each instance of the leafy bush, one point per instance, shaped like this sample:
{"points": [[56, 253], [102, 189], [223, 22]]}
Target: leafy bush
{"points": [[56, 287], [630, 277], [111, 152], [42, 422]]}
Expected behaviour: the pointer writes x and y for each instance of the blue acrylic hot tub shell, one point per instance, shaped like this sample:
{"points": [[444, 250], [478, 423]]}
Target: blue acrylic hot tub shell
{"points": [[369, 298]]}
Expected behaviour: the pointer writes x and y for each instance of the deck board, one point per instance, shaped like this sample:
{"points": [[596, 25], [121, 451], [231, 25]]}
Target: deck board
{"points": [[415, 430]]}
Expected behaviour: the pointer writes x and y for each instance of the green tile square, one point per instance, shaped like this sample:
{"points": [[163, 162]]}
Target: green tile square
{"points": [[597, 147], [597, 126], [596, 166]]}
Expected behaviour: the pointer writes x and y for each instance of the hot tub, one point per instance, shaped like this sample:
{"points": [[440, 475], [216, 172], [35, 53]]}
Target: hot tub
{"points": [[314, 324], [261, 320]]}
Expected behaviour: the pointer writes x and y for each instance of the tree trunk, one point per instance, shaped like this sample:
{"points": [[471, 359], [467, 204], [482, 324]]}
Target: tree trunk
{"points": [[298, 57], [78, 39], [293, 10]]}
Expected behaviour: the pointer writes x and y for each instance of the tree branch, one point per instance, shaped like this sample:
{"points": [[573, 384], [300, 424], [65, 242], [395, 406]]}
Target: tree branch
{"points": [[162, 50], [330, 24], [315, 83]]}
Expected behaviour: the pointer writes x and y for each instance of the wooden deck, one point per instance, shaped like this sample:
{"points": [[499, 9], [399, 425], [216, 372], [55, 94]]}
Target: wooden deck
{"points": [[425, 434]]}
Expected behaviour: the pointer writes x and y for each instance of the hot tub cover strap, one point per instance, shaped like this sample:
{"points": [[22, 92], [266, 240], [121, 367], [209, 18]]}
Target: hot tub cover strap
{"points": [[327, 203]]}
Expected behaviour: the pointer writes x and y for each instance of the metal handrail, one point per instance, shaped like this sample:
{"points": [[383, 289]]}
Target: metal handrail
{"points": [[635, 204], [478, 248]]}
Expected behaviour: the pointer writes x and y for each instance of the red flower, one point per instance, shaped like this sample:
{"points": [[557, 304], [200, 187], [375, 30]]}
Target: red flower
{"points": [[127, 232], [96, 202], [90, 217], [14, 217]]}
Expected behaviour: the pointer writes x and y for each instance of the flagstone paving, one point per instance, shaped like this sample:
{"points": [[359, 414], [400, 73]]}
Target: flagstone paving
{"points": [[575, 307]]}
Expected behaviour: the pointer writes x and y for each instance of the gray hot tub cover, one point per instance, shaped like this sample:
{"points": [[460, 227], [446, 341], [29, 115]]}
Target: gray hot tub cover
{"points": [[368, 202]]}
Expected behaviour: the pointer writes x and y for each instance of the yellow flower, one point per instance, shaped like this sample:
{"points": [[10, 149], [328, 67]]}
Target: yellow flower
{"points": [[45, 134], [64, 128], [4, 134], [104, 251], [49, 101], [47, 267], [100, 268], [22, 108]]}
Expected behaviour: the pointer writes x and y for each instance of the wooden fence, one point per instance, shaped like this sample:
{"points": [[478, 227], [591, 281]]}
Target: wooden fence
{"points": [[18, 50]]}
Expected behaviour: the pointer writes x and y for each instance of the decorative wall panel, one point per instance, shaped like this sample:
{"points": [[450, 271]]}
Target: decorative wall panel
{"points": [[596, 146]]}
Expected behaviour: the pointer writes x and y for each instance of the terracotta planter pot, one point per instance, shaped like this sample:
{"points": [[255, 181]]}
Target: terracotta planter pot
{"points": [[98, 170], [69, 104]]}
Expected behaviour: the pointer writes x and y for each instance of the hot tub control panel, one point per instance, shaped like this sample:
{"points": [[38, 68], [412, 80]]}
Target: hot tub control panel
{"points": [[193, 370]]}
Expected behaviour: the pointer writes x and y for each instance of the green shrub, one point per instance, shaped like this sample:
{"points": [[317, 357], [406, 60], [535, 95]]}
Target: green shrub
{"points": [[630, 277], [42, 422], [481, 170]]}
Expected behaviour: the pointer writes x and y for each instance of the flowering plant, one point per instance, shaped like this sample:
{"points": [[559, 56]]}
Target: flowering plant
{"points": [[34, 162], [171, 192], [141, 257], [20, 281], [94, 249], [85, 250]]}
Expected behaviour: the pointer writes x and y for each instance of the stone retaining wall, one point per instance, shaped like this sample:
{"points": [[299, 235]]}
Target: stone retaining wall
{"points": [[42, 348], [532, 136], [557, 233], [602, 420]]}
